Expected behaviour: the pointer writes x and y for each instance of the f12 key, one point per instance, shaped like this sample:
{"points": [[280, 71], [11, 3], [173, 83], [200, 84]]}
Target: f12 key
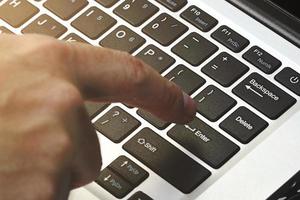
{"points": [[262, 59]]}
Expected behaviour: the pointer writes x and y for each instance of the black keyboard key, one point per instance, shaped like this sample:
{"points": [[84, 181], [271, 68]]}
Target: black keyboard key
{"points": [[290, 190], [230, 39], [225, 69], [166, 160], [5, 30], [16, 13], [136, 12], [72, 37], [290, 79], [262, 59], [46, 25], [199, 18], [153, 120], [107, 3], [65, 9], [116, 124], [156, 58], [165, 29], [94, 108], [123, 39], [188, 80], [140, 196], [194, 49], [264, 96], [213, 103], [173, 5], [94, 22], [205, 142], [113, 183], [243, 125], [130, 171]]}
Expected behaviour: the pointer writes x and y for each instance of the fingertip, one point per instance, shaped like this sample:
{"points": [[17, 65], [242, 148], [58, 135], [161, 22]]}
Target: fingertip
{"points": [[190, 107]]}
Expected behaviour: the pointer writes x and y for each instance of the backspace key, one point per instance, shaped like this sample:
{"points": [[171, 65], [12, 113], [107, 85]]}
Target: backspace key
{"points": [[264, 96]]}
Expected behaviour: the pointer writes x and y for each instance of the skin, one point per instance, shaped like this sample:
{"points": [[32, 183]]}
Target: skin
{"points": [[47, 143]]}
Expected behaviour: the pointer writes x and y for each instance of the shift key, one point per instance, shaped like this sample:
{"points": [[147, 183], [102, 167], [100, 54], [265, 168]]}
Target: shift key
{"points": [[166, 160], [264, 96]]}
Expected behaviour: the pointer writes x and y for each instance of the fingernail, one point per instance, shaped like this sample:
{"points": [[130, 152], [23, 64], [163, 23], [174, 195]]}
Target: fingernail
{"points": [[189, 105]]}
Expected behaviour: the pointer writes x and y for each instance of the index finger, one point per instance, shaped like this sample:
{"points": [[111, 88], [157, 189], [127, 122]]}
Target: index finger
{"points": [[114, 76]]}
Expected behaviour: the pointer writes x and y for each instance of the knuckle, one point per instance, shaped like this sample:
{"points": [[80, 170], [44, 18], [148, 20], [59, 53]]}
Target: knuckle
{"points": [[64, 98], [61, 50], [54, 50]]}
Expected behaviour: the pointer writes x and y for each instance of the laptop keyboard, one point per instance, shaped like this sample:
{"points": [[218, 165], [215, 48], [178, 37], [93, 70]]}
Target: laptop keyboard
{"points": [[200, 137]]}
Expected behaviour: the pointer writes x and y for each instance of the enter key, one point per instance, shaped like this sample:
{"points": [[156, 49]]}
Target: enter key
{"points": [[204, 142], [264, 96]]}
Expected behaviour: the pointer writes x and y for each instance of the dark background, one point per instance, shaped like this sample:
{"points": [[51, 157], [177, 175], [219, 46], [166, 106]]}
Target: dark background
{"points": [[289, 5]]}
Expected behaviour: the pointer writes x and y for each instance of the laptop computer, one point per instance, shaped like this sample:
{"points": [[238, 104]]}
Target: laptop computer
{"points": [[239, 60]]}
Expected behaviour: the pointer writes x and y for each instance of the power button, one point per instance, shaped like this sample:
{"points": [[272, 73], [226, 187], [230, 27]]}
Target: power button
{"points": [[294, 79], [290, 79]]}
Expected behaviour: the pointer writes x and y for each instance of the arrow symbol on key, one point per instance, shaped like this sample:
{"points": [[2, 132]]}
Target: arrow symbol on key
{"points": [[124, 163], [107, 178], [248, 87]]}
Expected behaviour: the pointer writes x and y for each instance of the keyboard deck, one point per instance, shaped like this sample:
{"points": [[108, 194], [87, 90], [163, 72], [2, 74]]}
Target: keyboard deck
{"points": [[220, 68]]}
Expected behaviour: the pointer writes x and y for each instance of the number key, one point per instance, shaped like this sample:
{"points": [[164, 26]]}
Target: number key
{"points": [[173, 5], [165, 29], [107, 3], [136, 12]]}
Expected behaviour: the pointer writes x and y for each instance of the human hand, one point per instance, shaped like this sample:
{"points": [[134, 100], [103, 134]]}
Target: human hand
{"points": [[47, 144]]}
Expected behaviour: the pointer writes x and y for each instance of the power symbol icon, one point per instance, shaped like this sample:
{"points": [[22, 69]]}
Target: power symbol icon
{"points": [[294, 79]]}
